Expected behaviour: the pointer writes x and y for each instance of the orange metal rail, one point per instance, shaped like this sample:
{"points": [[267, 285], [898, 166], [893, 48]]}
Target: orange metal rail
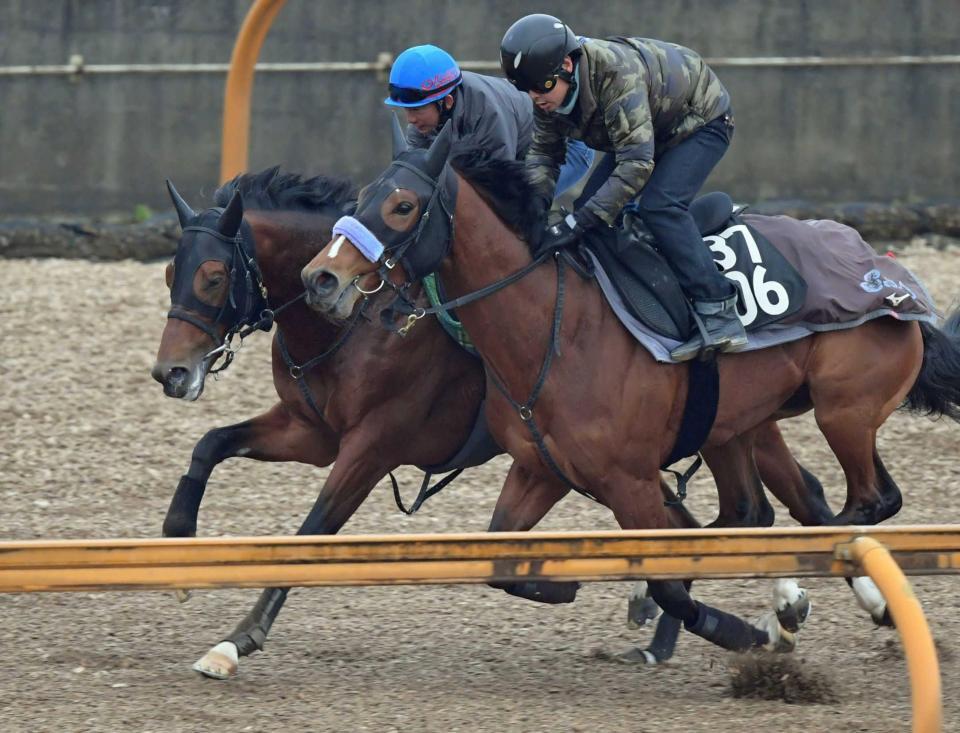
{"points": [[154, 564], [64, 565], [236, 103], [875, 561]]}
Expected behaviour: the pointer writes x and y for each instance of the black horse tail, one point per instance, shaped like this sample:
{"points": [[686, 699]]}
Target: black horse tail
{"points": [[937, 390]]}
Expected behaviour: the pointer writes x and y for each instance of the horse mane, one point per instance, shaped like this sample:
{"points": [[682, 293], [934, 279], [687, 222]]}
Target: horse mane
{"points": [[502, 184], [273, 190]]}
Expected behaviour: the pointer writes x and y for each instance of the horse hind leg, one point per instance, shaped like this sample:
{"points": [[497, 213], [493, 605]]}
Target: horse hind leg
{"points": [[792, 484], [868, 596], [872, 495], [742, 500]]}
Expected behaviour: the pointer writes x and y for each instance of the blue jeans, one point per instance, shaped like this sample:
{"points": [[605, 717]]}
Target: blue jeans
{"points": [[578, 162], [663, 205]]}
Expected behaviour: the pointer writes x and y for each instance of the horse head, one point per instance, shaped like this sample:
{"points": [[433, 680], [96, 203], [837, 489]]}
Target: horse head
{"points": [[215, 288], [403, 218]]}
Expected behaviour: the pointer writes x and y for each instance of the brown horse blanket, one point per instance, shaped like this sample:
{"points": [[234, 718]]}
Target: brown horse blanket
{"points": [[846, 282]]}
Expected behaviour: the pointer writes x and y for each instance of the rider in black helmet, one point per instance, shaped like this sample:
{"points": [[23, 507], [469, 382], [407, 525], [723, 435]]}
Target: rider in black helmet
{"points": [[664, 116]]}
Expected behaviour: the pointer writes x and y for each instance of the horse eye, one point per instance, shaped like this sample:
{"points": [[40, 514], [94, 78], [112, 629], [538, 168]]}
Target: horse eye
{"points": [[215, 282], [403, 208]]}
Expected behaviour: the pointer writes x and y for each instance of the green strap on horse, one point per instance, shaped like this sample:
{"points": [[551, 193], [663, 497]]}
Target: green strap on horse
{"points": [[450, 324]]}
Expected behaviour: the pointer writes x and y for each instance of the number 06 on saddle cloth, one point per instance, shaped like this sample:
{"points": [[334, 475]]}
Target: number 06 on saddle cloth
{"points": [[794, 278]]}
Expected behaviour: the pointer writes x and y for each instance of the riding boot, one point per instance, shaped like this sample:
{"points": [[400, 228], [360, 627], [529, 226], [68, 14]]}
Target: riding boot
{"points": [[718, 329]]}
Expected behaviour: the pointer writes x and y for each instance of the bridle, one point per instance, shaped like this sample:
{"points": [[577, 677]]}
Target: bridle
{"points": [[246, 308]]}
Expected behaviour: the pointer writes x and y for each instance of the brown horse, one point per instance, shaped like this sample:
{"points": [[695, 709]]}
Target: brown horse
{"points": [[336, 383], [580, 405], [339, 407]]}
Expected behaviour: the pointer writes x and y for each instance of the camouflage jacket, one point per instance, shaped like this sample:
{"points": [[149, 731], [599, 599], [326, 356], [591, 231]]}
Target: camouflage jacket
{"points": [[490, 113], [637, 98]]}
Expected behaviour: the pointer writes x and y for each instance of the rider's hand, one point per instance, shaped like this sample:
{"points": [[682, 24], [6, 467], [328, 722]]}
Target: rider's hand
{"points": [[562, 234], [540, 206]]}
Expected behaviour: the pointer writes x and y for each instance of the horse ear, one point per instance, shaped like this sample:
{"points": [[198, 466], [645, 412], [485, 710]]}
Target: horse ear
{"points": [[439, 151], [229, 222], [400, 144], [184, 213]]}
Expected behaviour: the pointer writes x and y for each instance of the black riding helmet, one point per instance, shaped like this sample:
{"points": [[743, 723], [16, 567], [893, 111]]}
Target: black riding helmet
{"points": [[532, 52]]}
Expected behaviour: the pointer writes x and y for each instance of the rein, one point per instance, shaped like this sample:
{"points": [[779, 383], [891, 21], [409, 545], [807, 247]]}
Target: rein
{"points": [[406, 306], [299, 371], [525, 409]]}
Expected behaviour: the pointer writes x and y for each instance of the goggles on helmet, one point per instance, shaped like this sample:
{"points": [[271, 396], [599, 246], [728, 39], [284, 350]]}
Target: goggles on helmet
{"points": [[544, 87]]}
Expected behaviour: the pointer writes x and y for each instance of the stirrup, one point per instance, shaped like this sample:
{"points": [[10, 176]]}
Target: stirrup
{"points": [[699, 343]]}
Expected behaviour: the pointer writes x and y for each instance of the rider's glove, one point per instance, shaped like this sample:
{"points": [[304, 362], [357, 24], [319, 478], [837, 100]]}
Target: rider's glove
{"points": [[562, 234]]}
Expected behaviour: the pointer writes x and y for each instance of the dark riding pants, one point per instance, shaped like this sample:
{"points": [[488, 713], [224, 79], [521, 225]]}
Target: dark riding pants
{"points": [[663, 205]]}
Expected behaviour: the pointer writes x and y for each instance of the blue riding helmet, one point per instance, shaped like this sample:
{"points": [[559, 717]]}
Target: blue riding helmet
{"points": [[420, 75]]}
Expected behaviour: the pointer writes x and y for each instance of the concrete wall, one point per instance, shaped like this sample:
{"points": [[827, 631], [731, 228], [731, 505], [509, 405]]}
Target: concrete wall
{"points": [[105, 143]]}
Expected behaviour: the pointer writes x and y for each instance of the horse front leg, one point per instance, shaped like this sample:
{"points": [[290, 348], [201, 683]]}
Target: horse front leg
{"points": [[273, 436], [637, 504], [641, 607], [744, 504], [358, 468], [524, 500]]}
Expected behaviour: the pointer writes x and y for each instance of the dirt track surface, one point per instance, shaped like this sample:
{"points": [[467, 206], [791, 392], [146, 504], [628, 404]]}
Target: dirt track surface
{"points": [[91, 448]]}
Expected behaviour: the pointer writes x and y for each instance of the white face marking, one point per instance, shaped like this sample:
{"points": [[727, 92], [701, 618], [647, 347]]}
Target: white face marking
{"points": [[516, 60], [335, 249]]}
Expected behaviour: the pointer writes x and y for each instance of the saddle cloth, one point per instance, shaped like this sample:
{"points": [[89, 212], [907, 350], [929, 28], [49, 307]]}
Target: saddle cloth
{"points": [[794, 278]]}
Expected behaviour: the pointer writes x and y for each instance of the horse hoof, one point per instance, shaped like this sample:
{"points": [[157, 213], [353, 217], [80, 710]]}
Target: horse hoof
{"points": [[636, 655], [885, 619], [792, 605], [182, 595], [640, 611], [779, 640], [871, 600], [220, 663]]}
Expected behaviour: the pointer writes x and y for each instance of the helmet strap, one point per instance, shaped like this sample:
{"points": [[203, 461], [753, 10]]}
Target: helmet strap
{"points": [[445, 113]]}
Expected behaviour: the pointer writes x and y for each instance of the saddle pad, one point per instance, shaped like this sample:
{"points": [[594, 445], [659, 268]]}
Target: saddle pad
{"points": [[769, 286], [848, 285]]}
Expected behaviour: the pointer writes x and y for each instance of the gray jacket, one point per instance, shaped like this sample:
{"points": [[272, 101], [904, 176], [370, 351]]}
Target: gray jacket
{"points": [[490, 113]]}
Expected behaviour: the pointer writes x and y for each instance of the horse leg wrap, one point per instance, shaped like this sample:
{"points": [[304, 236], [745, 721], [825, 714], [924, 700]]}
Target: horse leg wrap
{"points": [[664, 640], [544, 591], [181, 519], [251, 633], [726, 630], [641, 607]]}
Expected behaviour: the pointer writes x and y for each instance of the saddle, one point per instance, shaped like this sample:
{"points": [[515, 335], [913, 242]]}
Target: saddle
{"points": [[649, 288]]}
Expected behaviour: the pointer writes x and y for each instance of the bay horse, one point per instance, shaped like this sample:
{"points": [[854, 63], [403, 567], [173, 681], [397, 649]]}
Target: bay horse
{"points": [[336, 382], [579, 404]]}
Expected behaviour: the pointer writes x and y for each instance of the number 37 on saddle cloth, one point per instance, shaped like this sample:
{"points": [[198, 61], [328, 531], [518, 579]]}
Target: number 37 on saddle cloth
{"points": [[794, 277]]}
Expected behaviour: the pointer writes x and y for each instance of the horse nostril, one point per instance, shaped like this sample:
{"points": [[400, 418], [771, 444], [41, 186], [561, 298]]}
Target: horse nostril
{"points": [[323, 283], [175, 385]]}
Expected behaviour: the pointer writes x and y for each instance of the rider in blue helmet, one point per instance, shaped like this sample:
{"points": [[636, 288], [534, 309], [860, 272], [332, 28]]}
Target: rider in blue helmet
{"points": [[428, 85]]}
